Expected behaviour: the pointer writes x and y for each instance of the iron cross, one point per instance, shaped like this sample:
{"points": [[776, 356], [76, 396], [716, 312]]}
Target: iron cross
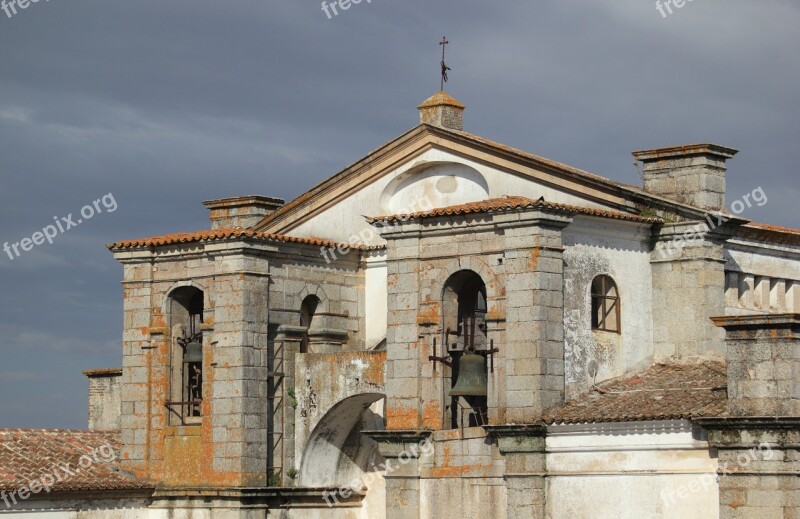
{"points": [[445, 68]]}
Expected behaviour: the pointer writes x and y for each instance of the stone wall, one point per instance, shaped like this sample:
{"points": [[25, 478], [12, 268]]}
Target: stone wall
{"points": [[519, 258], [763, 354], [104, 399], [688, 289], [693, 175], [759, 444], [759, 466], [241, 283]]}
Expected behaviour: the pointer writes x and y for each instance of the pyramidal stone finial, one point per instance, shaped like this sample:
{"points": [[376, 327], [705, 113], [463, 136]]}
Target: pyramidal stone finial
{"points": [[442, 110]]}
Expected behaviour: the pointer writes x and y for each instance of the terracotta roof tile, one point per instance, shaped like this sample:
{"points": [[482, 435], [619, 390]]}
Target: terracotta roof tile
{"points": [[61, 455], [512, 203], [220, 235], [770, 233], [441, 98], [663, 392]]}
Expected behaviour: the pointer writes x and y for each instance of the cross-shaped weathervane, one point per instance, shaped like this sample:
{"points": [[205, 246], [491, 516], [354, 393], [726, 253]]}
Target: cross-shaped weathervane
{"points": [[445, 68]]}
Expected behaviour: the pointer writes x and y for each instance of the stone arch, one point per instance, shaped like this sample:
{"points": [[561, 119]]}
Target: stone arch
{"points": [[165, 301], [337, 453], [185, 309], [312, 289], [495, 288]]}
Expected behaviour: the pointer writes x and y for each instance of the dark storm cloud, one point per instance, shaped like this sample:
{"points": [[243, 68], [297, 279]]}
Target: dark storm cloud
{"points": [[166, 104]]}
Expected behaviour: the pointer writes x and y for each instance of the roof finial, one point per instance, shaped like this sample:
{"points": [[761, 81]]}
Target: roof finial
{"points": [[445, 68]]}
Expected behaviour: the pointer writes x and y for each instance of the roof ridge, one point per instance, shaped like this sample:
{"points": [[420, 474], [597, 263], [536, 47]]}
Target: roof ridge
{"points": [[222, 234], [638, 195], [773, 228], [508, 203]]}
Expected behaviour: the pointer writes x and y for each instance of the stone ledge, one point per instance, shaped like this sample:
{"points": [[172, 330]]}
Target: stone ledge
{"points": [[755, 322], [768, 423]]}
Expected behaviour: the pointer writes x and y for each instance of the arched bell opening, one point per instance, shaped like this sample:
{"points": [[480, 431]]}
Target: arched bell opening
{"points": [[465, 335], [185, 315]]}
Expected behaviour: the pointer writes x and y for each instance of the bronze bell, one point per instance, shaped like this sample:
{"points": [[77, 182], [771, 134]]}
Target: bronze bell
{"points": [[194, 352], [472, 380]]}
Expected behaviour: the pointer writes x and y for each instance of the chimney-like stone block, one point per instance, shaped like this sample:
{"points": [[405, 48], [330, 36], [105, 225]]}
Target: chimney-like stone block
{"points": [[763, 364], [241, 211], [105, 404], [692, 175], [442, 110]]}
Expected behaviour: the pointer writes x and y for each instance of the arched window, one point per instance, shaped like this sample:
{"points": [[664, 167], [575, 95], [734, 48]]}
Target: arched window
{"points": [[186, 362], [307, 310], [605, 305]]}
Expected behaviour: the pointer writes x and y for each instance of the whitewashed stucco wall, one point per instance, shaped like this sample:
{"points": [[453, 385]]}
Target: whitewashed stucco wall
{"points": [[620, 250], [644, 470]]}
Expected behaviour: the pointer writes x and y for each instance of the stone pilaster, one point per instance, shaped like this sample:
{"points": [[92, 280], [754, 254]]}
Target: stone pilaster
{"points": [[139, 337], [759, 446], [280, 410], [534, 346], [523, 447], [688, 289], [763, 354], [402, 450], [759, 466]]}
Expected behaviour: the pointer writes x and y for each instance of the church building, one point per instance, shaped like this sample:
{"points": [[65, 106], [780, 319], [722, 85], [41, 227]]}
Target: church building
{"points": [[449, 327]]}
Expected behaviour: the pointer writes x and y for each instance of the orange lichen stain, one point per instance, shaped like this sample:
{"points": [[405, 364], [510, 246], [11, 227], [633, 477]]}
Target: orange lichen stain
{"points": [[533, 263], [736, 503], [401, 419], [157, 319], [429, 314], [494, 315], [446, 470], [457, 472], [376, 371], [431, 416]]}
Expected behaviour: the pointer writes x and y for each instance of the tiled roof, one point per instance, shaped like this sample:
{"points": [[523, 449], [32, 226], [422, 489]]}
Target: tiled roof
{"points": [[663, 392], [64, 456], [218, 235], [770, 233], [512, 203], [441, 98]]}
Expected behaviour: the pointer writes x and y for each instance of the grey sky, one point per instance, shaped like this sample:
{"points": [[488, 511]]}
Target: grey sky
{"points": [[168, 103]]}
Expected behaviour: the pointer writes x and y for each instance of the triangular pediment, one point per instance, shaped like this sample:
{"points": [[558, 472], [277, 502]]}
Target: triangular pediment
{"points": [[435, 167]]}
